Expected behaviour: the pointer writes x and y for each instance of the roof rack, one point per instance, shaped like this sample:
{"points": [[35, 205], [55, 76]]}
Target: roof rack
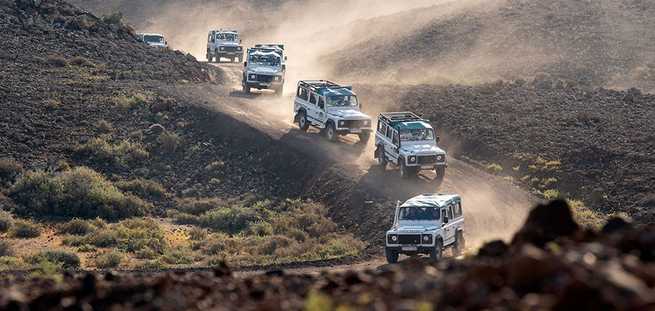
{"points": [[317, 85], [404, 116], [270, 45]]}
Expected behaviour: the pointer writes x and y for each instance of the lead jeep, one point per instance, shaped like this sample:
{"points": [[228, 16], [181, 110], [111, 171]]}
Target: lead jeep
{"points": [[409, 142], [332, 108], [426, 224], [264, 69], [224, 44], [153, 39]]}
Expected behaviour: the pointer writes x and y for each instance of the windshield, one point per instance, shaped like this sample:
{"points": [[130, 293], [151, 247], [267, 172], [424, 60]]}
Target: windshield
{"points": [[227, 37], [268, 59], [417, 134], [418, 213], [342, 101], [153, 39]]}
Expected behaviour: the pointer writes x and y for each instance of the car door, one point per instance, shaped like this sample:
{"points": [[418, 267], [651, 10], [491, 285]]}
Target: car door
{"points": [[321, 108], [392, 148], [301, 100], [447, 229], [312, 108]]}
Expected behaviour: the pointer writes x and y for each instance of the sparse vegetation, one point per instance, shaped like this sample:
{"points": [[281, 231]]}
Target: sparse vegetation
{"points": [[132, 101], [24, 229], [585, 216], [177, 257], [56, 60], [109, 260], [494, 168], [143, 187], [5, 249], [105, 126], [169, 141], [61, 258], [101, 151], [9, 170], [81, 62], [80, 192], [77, 227], [6, 221], [551, 194]]}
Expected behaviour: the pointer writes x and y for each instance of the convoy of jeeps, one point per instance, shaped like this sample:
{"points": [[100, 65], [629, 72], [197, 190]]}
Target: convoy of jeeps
{"points": [[426, 224]]}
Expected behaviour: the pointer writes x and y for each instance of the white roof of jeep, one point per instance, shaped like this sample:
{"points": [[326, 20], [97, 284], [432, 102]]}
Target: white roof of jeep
{"points": [[150, 34], [264, 53], [431, 200]]}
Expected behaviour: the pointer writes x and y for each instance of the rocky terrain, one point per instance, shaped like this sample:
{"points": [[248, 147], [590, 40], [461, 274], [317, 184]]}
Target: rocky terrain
{"points": [[598, 43], [550, 264]]}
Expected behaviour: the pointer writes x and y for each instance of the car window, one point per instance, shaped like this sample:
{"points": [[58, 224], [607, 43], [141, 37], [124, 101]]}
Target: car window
{"points": [[443, 213], [312, 99], [458, 209], [450, 212], [395, 138], [418, 213], [302, 93], [389, 132], [321, 103], [382, 127]]}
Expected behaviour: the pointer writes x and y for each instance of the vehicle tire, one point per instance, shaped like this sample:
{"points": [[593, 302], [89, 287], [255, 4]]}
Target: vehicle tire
{"points": [[460, 244], [441, 173], [381, 157], [218, 57], [246, 89], [303, 123], [392, 256], [330, 132], [279, 91], [405, 172], [437, 251], [364, 137], [209, 58]]}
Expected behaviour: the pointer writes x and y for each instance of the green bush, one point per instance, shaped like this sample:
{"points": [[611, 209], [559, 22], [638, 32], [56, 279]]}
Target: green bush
{"points": [[128, 102], [6, 221], [10, 263], [24, 230], [551, 194], [103, 238], [197, 234], [185, 219], [77, 227], [109, 260], [231, 220], [9, 170], [198, 206], [80, 192], [143, 187], [271, 244], [494, 168], [138, 234], [177, 257], [65, 259], [103, 152], [151, 265], [169, 141], [5, 249]]}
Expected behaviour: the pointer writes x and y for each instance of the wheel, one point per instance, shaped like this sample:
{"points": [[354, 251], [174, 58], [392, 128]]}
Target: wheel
{"points": [[364, 137], [218, 57], [436, 252], [460, 244], [209, 58], [406, 172], [303, 123], [330, 132], [381, 157], [392, 256], [279, 91], [246, 89], [441, 173]]}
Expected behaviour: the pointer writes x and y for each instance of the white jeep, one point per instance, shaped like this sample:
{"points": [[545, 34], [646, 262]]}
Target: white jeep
{"points": [[408, 141], [332, 108], [224, 44], [264, 69], [426, 224], [153, 39]]}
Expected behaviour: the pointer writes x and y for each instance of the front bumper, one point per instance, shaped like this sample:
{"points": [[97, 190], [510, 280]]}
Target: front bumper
{"points": [[410, 249], [353, 126], [264, 85], [426, 161]]}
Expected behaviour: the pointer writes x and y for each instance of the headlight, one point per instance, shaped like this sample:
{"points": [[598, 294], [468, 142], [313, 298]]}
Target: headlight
{"points": [[412, 159], [440, 158], [427, 239], [367, 123], [277, 78], [342, 123], [221, 48], [253, 77], [238, 48], [393, 239]]}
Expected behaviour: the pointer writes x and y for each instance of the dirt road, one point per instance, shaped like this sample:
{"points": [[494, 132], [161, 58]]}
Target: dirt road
{"points": [[494, 208]]}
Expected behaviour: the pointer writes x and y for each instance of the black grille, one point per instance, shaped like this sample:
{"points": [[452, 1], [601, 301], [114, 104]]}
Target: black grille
{"points": [[353, 124], [409, 239], [427, 159], [263, 78], [230, 49]]}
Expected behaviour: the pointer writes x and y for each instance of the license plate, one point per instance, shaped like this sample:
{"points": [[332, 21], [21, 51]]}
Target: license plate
{"points": [[427, 167], [356, 131], [409, 248], [264, 84]]}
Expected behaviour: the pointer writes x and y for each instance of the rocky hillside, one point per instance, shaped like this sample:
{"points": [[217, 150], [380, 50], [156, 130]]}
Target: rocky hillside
{"points": [[594, 43], [551, 264]]}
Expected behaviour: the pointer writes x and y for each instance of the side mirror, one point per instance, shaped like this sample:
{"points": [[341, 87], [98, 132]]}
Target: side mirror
{"points": [[245, 64], [285, 58], [284, 67], [437, 139]]}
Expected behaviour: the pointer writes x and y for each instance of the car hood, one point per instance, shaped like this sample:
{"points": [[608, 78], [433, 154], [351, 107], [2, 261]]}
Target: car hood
{"points": [[422, 149], [261, 69], [228, 43], [411, 228], [159, 45], [349, 114]]}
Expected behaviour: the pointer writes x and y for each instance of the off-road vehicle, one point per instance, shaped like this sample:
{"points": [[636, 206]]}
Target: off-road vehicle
{"points": [[332, 108], [409, 142], [153, 39], [264, 69], [276, 47], [426, 224], [224, 44]]}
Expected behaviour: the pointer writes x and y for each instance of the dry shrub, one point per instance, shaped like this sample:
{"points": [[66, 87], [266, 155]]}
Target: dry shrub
{"points": [[24, 229], [9, 170], [56, 61]]}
